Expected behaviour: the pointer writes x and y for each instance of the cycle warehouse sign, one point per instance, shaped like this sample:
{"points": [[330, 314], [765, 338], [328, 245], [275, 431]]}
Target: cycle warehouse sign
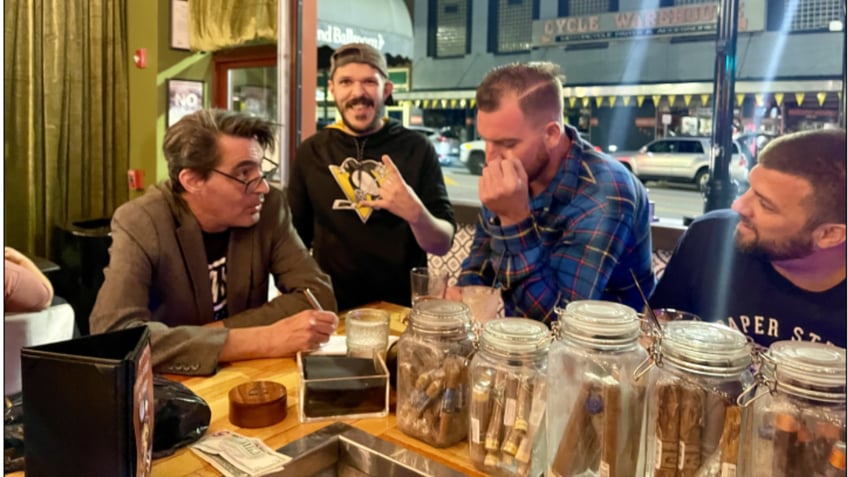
{"points": [[695, 19]]}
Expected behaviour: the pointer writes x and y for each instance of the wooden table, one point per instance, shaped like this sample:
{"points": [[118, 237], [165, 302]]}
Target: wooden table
{"points": [[215, 389]]}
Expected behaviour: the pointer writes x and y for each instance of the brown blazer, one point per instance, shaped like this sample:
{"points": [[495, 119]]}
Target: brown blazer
{"points": [[158, 275]]}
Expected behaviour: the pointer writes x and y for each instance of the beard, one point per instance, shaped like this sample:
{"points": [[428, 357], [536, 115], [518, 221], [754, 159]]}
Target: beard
{"points": [[797, 246], [379, 112]]}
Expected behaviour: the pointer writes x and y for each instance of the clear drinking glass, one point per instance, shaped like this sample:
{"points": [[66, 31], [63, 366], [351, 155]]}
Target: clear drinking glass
{"points": [[427, 283], [484, 302], [367, 331]]}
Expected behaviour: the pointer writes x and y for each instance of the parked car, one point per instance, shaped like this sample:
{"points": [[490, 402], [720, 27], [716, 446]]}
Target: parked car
{"points": [[681, 159], [445, 141], [473, 155]]}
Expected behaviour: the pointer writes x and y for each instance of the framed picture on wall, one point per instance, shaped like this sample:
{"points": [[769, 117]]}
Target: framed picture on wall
{"points": [[179, 25], [184, 97]]}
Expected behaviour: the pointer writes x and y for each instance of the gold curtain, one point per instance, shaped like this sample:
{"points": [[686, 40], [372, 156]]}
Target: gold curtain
{"points": [[218, 24], [66, 115]]}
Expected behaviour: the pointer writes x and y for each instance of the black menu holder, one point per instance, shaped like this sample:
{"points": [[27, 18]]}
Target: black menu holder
{"points": [[88, 406]]}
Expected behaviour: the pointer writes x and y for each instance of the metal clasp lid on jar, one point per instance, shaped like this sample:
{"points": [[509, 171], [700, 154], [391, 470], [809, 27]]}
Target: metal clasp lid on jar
{"points": [[515, 338], [598, 324], [700, 348], [802, 369], [440, 317]]}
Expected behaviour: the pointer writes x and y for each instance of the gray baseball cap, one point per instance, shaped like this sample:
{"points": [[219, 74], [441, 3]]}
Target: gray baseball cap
{"points": [[358, 53]]}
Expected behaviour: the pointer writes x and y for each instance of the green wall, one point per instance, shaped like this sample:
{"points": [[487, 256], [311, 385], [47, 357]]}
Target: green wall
{"points": [[149, 27]]}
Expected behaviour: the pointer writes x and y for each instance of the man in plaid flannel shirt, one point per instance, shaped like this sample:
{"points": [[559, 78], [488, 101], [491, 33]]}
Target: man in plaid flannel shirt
{"points": [[559, 222]]}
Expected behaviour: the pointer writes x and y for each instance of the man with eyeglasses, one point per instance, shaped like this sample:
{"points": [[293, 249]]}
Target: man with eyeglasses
{"points": [[366, 193], [191, 258]]}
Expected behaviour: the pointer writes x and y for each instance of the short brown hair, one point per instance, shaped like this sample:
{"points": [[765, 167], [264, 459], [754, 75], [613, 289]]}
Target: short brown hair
{"points": [[818, 157], [192, 143], [536, 84]]}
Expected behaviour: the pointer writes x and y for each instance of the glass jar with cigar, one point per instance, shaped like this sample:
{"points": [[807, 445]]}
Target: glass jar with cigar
{"points": [[508, 393], [600, 406], [433, 357], [698, 371], [794, 422]]}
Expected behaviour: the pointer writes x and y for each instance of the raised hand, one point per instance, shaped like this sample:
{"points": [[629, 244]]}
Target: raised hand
{"points": [[396, 195], [504, 189]]}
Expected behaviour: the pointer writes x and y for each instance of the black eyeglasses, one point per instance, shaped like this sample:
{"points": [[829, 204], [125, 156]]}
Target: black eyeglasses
{"points": [[251, 185]]}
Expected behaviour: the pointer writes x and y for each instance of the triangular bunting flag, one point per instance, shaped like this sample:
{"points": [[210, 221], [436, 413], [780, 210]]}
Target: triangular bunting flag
{"points": [[453, 103], [572, 100], [760, 99], [656, 99], [463, 103], [705, 100], [778, 98], [687, 98], [425, 104], [599, 101], [821, 97], [472, 103], [639, 100], [740, 98], [585, 102], [671, 99], [612, 100], [799, 98], [625, 100]]}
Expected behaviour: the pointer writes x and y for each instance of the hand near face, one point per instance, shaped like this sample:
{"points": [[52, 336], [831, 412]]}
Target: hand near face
{"points": [[304, 331], [504, 190], [395, 194]]}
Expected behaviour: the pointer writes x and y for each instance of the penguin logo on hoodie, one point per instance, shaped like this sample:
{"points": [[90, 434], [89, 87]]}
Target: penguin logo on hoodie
{"points": [[359, 180]]}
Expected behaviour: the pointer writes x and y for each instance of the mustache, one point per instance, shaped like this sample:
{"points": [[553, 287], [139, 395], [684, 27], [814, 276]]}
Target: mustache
{"points": [[357, 101]]}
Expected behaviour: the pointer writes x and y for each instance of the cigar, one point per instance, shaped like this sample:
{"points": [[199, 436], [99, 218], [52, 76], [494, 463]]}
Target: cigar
{"points": [[579, 439], [785, 437], [689, 430], [537, 414], [434, 390], [803, 447], [667, 414], [609, 443], [493, 430], [715, 406], [479, 412], [729, 442], [519, 426], [451, 397]]}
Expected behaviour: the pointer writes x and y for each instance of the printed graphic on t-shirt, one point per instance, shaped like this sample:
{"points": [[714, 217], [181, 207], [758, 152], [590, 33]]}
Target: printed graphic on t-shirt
{"points": [[359, 181], [218, 281], [766, 330]]}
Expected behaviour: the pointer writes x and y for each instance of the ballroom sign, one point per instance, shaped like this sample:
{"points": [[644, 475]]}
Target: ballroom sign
{"points": [[697, 19]]}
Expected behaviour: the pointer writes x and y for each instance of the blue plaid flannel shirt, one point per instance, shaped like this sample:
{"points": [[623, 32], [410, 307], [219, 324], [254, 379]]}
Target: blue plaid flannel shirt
{"points": [[585, 233]]}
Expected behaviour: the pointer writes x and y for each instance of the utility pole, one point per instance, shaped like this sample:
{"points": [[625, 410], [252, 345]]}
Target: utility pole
{"points": [[721, 190]]}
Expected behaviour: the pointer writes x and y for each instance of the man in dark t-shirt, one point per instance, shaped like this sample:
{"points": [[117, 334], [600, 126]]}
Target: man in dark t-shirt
{"points": [[774, 266]]}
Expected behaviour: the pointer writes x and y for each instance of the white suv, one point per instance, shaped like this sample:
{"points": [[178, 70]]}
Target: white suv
{"points": [[683, 159]]}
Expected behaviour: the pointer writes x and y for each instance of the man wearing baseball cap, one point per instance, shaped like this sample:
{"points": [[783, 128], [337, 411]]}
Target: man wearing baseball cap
{"points": [[366, 193]]}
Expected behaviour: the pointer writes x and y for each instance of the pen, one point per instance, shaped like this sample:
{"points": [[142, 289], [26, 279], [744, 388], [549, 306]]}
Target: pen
{"points": [[312, 300]]}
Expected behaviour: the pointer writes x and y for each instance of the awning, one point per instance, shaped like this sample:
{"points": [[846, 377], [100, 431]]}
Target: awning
{"points": [[384, 24], [802, 92]]}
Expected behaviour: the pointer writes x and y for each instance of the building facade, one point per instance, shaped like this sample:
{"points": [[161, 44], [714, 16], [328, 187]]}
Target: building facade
{"points": [[636, 70]]}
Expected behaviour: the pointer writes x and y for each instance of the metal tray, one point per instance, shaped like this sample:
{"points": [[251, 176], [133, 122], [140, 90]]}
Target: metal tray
{"points": [[343, 450]]}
